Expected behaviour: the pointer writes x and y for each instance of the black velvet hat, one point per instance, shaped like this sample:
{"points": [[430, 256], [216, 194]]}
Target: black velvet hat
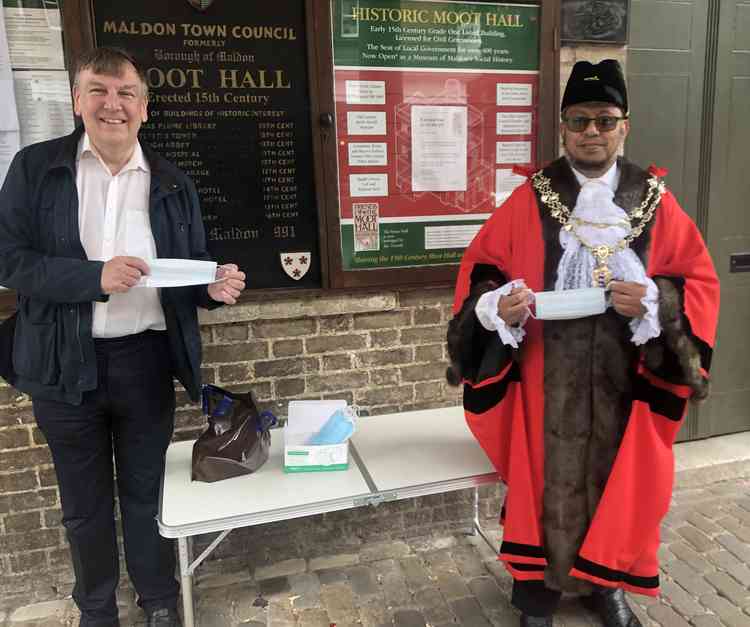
{"points": [[603, 82]]}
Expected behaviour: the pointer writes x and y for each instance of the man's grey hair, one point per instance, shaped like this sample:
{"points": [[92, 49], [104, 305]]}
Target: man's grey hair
{"points": [[110, 62]]}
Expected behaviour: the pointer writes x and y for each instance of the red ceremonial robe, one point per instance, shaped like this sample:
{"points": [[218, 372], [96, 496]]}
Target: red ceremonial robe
{"points": [[510, 400]]}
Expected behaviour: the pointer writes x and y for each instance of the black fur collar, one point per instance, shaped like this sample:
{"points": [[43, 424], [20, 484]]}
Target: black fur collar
{"points": [[630, 193]]}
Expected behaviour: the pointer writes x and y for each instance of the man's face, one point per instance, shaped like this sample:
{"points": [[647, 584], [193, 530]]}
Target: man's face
{"points": [[112, 107], [592, 150]]}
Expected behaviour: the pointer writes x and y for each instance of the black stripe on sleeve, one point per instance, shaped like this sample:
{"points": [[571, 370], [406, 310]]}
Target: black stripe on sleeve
{"points": [[661, 401], [480, 400], [615, 576]]}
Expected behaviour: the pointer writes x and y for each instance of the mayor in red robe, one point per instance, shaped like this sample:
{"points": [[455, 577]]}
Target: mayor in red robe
{"points": [[579, 421]]}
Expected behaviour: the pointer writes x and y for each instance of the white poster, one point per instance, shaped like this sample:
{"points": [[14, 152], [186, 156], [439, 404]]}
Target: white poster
{"points": [[368, 153], [365, 92], [35, 38], [8, 115], [45, 109], [438, 148], [514, 123], [505, 182], [513, 152], [365, 122], [513, 95], [368, 185], [9, 145]]}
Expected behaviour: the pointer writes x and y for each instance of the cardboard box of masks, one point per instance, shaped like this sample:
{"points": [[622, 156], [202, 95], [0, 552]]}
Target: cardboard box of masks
{"points": [[305, 420]]}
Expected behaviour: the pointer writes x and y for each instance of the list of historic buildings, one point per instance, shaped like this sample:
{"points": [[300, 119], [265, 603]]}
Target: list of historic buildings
{"points": [[229, 105]]}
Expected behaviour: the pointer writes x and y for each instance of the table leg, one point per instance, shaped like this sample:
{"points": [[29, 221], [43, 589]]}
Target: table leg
{"points": [[186, 580]]}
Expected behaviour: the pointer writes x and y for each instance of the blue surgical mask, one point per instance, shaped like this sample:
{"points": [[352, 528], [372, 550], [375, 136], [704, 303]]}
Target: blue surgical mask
{"points": [[569, 304], [337, 429]]}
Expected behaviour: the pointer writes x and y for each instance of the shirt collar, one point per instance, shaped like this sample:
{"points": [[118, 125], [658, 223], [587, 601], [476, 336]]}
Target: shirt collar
{"points": [[610, 178], [136, 162]]}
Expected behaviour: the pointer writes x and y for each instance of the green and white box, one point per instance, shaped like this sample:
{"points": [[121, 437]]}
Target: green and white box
{"points": [[305, 419]]}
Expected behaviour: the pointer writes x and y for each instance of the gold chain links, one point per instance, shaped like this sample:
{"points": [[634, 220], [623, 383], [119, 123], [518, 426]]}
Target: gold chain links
{"points": [[643, 213]]}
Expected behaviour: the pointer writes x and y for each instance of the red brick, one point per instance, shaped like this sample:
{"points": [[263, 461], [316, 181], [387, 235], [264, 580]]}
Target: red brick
{"points": [[387, 357], [284, 328], [424, 372], [381, 339], [288, 348], [337, 362], [228, 353], [427, 315], [335, 324], [208, 375], [289, 387], [231, 333], [19, 523], [384, 376], [21, 459], [335, 343], [285, 367], [30, 540], [381, 396], [14, 437], [47, 476], [25, 501], [238, 372], [430, 352], [343, 381], [383, 320], [424, 335], [18, 481], [12, 416]]}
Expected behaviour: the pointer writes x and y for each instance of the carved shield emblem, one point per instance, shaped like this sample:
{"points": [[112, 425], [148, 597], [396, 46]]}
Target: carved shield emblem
{"points": [[201, 5], [295, 265]]}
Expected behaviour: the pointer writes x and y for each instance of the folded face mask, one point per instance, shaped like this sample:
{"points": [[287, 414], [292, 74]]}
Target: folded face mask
{"points": [[337, 429], [178, 273], [570, 304]]}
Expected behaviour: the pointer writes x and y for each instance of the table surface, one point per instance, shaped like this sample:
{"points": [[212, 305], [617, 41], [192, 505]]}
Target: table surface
{"points": [[398, 451]]}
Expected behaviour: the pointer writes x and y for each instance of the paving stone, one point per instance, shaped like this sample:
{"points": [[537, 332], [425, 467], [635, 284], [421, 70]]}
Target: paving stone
{"points": [[681, 600], [440, 562], [345, 617], [718, 605], [393, 584], [685, 553], [415, 573], [246, 611], [383, 550], [270, 588], [707, 620], [735, 527], [487, 592], [39, 611], [697, 519], [666, 616], [710, 510], [316, 617], [327, 562], [337, 597], [408, 618], [468, 562], [280, 569], [434, 608], [700, 541], [375, 614], [452, 586], [734, 546], [688, 578], [363, 581], [469, 613], [424, 544], [729, 588]]}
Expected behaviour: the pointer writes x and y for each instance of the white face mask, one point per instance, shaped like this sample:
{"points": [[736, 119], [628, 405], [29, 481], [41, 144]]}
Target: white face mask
{"points": [[569, 304]]}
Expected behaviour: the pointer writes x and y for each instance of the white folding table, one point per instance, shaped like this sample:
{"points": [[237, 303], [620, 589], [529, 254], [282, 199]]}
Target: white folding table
{"points": [[394, 456]]}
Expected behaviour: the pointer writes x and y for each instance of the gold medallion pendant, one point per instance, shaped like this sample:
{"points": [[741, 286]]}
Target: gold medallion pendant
{"points": [[601, 275]]}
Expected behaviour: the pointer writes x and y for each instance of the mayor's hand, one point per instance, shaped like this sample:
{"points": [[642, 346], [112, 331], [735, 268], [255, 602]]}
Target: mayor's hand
{"points": [[228, 289], [119, 274], [512, 308], [626, 298]]}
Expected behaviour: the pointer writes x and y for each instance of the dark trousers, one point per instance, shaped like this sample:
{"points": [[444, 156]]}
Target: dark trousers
{"points": [[533, 598], [131, 413]]}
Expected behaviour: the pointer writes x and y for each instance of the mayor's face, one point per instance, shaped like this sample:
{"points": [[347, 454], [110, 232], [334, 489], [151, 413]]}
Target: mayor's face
{"points": [[593, 148], [112, 107]]}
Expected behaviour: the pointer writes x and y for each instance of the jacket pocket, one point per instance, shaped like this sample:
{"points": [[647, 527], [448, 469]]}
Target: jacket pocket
{"points": [[35, 345]]}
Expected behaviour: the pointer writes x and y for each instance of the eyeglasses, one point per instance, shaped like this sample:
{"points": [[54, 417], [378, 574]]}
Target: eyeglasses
{"points": [[603, 123]]}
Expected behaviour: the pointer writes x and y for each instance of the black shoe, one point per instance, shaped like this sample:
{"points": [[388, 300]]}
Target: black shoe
{"points": [[536, 621], [612, 608], [163, 617]]}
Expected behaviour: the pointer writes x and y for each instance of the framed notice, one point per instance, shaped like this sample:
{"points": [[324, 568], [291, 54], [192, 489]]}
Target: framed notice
{"points": [[449, 92], [230, 105]]}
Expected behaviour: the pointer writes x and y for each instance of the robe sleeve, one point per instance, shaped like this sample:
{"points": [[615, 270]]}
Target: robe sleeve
{"points": [[682, 268]]}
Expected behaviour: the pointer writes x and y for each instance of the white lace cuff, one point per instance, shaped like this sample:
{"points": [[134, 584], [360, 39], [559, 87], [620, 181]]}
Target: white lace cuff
{"points": [[647, 327], [486, 311]]}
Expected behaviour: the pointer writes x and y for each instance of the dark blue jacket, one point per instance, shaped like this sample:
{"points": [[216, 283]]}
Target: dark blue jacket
{"points": [[41, 257]]}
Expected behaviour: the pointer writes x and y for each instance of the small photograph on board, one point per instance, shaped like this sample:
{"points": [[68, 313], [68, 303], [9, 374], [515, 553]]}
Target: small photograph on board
{"points": [[596, 21]]}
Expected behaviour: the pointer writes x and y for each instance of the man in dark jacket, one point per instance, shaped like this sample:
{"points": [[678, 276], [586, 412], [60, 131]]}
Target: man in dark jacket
{"points": [[80, 218]]}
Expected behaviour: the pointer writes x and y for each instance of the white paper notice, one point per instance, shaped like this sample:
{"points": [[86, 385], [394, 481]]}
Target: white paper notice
{"points": [[514, 94], [365, 92], [365, 122], [8, 115], [368, 154], [35, 38], [514, 123], [438, 148], [178, 273], [9, 145], [513, 152], [505, 182], [368, 185], [44, 105]]}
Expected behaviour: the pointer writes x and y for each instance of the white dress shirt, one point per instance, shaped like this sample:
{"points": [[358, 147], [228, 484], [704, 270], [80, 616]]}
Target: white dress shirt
{"points": [[113, 220]]}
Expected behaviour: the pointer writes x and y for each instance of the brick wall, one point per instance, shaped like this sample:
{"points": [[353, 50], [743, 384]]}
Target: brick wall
{"points": [[384, 351]]}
